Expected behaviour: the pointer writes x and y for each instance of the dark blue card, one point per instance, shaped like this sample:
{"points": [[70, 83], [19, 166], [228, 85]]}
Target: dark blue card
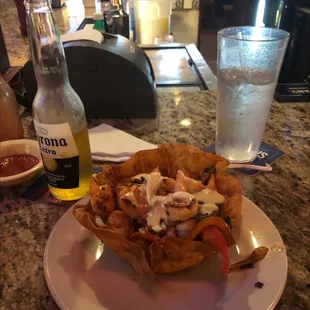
{"points": [[267, 155], [38, 192]]}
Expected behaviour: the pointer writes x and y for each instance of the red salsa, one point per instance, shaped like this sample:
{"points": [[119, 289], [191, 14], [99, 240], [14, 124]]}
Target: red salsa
{"points": [[15, 164]]}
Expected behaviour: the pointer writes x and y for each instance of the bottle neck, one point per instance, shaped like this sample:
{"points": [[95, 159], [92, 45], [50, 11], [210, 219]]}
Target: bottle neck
{"points": [[47, 51], [117, 4]]}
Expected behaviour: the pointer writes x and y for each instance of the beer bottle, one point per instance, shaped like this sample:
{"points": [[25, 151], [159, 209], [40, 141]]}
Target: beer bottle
{"points": [[10, 122], [58, 112]]}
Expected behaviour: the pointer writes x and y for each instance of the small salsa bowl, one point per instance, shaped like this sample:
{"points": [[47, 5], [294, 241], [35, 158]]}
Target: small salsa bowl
{"points": [[20, 147]]}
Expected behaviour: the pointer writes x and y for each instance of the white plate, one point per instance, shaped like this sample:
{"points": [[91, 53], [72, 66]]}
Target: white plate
{"points": [[82, 274]]}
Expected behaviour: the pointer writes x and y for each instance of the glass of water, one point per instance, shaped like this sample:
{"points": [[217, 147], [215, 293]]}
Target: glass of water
{"points": [[249, 62]]}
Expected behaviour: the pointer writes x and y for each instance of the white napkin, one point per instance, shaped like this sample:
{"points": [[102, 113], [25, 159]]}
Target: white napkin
{"points": [[110, 144]]}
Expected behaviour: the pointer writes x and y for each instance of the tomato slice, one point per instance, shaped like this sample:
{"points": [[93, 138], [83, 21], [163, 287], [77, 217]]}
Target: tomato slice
{"points": [[213, 236]]}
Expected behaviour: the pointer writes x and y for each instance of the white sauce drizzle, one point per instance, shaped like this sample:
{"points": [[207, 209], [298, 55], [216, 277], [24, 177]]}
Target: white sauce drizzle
{"points": [[208, 208], [158, 207], [157, 213], [152, 186], [209, 196], [98, 221], [157, 203], [182, 197]]}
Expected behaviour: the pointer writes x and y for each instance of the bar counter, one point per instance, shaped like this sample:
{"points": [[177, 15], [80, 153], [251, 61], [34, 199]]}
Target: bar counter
{"points": [[283, 194]]}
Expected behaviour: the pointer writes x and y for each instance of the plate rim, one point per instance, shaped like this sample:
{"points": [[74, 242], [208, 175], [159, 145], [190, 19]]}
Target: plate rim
{"points": [[63, 307], [278, 296]]}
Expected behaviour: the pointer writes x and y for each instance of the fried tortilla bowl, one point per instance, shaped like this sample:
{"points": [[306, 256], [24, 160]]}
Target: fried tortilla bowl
{"points": [[118, 208]]}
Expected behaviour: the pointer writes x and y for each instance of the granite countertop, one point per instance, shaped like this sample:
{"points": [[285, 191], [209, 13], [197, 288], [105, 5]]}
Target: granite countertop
{"points": [[282, 194]]}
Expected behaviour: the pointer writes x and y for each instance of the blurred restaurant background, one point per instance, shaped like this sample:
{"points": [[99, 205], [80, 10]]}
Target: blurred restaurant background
{"points": [[189, 26]]}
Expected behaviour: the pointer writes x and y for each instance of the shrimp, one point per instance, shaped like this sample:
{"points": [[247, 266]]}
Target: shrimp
{"points": [[133, 202], [186, 184], [181, 207], [105, 200], [166, 186], [120, 223], [185, 228]]}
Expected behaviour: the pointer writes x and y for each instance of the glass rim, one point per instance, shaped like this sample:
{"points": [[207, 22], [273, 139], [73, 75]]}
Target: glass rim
{"points": [[285, 33]]}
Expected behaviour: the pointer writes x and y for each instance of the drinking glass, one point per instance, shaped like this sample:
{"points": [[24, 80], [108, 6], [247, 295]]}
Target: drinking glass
{"points": [[249, 63]]}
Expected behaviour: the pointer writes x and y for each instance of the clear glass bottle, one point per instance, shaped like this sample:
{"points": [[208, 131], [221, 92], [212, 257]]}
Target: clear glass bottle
{"points": [[10, 122], [106, 7], [99, 21], [58, 111], [117, 19]]}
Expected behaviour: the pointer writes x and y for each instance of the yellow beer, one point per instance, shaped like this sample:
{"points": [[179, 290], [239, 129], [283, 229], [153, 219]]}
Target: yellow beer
{"points": [[85, 170]]}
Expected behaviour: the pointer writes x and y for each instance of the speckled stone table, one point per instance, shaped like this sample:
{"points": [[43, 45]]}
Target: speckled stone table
{"points": [[282, 194]]}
